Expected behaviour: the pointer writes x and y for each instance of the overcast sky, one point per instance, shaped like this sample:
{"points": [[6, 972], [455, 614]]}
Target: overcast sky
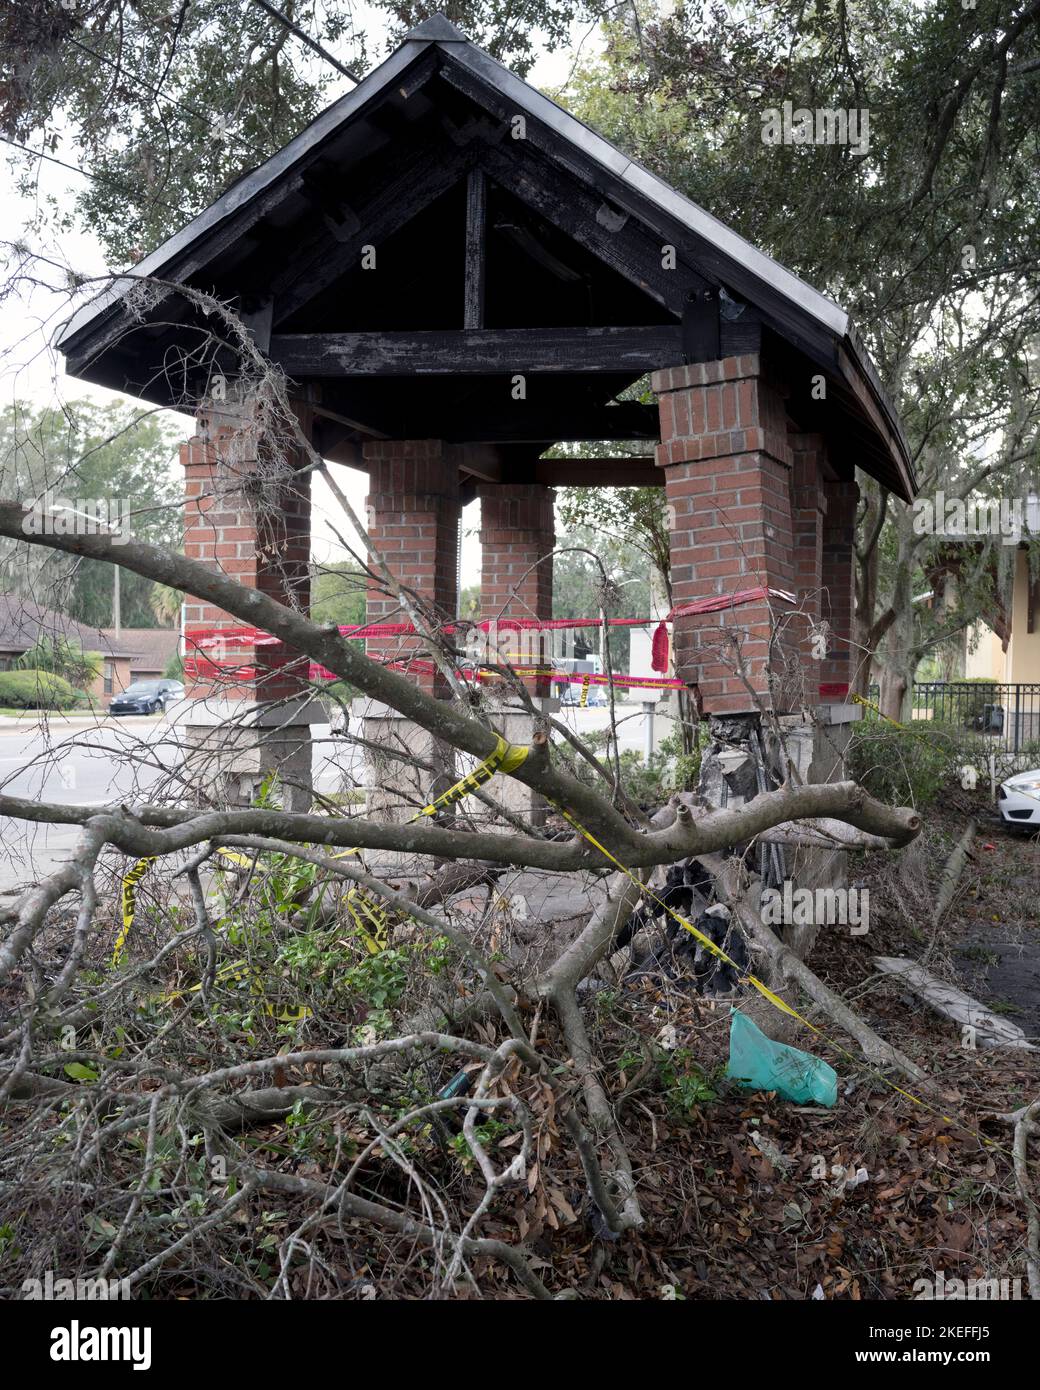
{"points": [[31, 371]]}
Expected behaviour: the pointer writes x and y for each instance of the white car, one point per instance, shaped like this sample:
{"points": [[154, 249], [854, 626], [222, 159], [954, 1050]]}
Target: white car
{"points": [[1019, 800]]}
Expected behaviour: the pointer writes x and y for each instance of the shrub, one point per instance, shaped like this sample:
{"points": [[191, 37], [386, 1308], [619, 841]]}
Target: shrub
{"points": [[912, 766], [36, 690], [669, 770], [62, 658]]}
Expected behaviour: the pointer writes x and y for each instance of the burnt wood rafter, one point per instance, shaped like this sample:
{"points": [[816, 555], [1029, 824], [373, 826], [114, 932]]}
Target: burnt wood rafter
{"points": [[619, 241], [476, 234], [424, 177], [477, 351], [700, 264], [530, 423]]}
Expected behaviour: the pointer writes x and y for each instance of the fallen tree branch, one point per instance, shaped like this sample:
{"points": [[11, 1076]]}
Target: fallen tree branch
{"points": [[951, 873], [350, 1204], [991, 1029], [1024, 1127]]}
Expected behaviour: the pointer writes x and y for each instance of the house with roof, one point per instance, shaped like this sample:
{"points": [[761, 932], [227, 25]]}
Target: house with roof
{"points": [[23, 624], [151, 649], [1011, 655]]}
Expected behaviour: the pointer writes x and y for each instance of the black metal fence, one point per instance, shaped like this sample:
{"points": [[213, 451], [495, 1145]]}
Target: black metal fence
{"points": [[1005, 717]]}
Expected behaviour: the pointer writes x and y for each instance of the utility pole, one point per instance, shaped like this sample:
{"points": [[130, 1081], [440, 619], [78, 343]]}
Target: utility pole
{"points": [[117, 616]]}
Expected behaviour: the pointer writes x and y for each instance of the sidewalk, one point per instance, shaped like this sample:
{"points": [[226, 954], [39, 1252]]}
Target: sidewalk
{"points": [[54, 719]]}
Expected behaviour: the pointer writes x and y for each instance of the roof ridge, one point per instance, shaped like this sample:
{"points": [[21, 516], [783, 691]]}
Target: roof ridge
{"points": [[438, 28]]}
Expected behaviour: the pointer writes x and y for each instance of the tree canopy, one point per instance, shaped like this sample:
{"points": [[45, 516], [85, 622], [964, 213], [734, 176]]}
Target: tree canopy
{"points": [[166, 102], [83, 455], [929, 236]]}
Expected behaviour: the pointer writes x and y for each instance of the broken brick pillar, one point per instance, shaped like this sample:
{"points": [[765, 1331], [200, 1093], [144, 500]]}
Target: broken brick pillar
{"points": [[843, 664], [727, 460], [250, 710], [517, 537], [413, 518]]}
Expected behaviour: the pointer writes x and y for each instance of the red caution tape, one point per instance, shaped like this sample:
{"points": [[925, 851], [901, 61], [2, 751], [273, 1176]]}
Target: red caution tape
{"points": [[207, 637]]}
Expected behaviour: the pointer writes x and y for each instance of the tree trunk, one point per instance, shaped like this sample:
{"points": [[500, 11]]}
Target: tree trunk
{"points": [[893, 701]]}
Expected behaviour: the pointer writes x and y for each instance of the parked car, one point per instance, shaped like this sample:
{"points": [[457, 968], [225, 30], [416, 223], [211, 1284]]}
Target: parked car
{"points": [[572, 696], [1018, 800], [147, 697]]}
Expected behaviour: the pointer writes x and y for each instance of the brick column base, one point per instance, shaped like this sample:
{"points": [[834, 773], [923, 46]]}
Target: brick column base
{"points": [[727, 462], [252, 524]]}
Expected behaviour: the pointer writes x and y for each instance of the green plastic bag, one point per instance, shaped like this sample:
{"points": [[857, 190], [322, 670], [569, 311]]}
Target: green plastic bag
{"points": [[763, 1065]]}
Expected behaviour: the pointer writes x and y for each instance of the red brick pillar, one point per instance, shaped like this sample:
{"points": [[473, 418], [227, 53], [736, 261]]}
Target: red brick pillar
{"points": [[517, 536], [727, 462], [809, 511], [839, 539], [258, 535], [247, 516], [413, 517]]}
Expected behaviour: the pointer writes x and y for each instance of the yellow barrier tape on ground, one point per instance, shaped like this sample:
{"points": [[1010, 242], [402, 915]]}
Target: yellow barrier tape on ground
{"points": [[371, 920], [239, 970], [130, 881], [242, 860], [768, 994], [507, 757]]}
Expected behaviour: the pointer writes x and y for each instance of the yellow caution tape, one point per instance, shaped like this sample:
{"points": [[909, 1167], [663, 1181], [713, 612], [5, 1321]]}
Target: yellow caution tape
{"points": [[239, 970], [242, 860], [869, 704], [130, 881], [767, 993], [583, 699], [371, 920], [507, 757]]}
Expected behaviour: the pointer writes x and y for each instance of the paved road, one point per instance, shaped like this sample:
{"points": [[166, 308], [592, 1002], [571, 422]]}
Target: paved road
{"points": [[113, 760], [124, 759]]}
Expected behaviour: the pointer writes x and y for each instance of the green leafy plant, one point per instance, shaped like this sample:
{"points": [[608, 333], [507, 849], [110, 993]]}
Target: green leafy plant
{"points": [[381, 979], [8, 1244], [913, 764], [36, 689], [487, 1133], [62, 658], [684, 1083], [678, 1075]]}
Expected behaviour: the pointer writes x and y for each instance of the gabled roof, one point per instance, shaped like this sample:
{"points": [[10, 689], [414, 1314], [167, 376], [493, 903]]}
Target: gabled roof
{"points": [[149, 648], [23, 623], [306, 190]]}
